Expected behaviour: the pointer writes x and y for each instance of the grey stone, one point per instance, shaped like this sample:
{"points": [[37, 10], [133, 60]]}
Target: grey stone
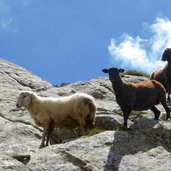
{"points": [[145, 146]]}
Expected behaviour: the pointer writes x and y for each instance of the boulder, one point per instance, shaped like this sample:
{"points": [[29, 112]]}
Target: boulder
{"points": [[145, 146]]}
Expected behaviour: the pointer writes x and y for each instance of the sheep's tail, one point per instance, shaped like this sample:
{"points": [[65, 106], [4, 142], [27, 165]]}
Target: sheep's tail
{"points": [[160, 87], [90, 119], [161, 91]]}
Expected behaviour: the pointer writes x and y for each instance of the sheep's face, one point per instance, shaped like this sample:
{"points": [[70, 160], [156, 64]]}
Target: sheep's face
{"points": [[113, 72], [24, 99], [167, 55]]}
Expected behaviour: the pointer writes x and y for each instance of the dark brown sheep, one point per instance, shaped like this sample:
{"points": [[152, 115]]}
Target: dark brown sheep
{"points": [[163, 75], [137, 96]]}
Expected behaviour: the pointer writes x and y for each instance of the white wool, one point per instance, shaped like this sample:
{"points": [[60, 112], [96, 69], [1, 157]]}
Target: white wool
{"points": [[45, 110]]}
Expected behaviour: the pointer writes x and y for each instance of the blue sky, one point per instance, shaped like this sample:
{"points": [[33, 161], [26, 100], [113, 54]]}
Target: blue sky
{"points": [[72, 40]]}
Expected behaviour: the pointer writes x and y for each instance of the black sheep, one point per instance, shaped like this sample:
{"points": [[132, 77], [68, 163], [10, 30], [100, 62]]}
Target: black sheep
{"points": [[137, 96], [163, 75]]}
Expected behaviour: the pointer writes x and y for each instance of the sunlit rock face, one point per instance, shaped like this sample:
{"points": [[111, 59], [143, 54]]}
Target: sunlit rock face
{"points": [[145, 146]]}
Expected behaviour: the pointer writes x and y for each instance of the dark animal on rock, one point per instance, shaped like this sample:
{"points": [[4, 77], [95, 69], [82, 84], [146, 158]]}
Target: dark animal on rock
{"points": [[163, 75], [137, 96]]}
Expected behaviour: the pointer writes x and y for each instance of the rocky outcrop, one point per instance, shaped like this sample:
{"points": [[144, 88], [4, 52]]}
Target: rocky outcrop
{"points": [[146, 146]]}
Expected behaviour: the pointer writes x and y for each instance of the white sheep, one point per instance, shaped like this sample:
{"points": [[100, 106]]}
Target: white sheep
{"points": [[68, 112]]}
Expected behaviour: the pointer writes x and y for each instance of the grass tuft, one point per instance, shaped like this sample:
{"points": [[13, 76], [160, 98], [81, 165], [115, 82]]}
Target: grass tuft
{"points": [[136, 73]]}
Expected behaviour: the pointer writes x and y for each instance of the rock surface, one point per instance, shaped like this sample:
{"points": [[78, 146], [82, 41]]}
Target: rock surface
{"points": [[146, 146]]}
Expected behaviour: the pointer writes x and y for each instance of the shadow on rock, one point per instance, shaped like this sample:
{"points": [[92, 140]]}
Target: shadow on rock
{"points": [[142, 138], [103, 122]]}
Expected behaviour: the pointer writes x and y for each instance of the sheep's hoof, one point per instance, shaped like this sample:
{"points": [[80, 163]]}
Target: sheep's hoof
{"points": [[122, 128], [130, 129], [168, 118], [41, 146], [168, 100], [156, 117]]}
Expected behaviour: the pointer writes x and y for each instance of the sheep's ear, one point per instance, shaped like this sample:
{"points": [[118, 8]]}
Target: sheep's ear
{"points": [[121, 70], [105, 70], [27, 100]]}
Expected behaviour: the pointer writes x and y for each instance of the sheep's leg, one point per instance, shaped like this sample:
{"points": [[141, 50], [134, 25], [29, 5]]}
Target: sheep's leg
{"points": [[125, 125], [82, 126], [49, 131], [126, 114], [166, 109], [83, 131], [156, 112], [168, 94], [168, 97], [168, 90], [43, 138]]}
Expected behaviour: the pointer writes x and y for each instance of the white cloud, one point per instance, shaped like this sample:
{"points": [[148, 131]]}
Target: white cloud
{"points": [[5, 15], [4, 7], [7, 12], [142, 54], [26, 2], [5, 23]]}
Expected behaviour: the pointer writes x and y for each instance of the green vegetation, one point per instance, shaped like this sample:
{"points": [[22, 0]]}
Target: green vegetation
{"points": [[95, 131], [135, 72], [56, 85], [61, 85]]}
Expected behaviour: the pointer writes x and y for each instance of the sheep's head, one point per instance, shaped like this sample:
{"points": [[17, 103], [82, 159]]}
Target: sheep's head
{"points": [[24, 99], [113, 72], [167, 55]]}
